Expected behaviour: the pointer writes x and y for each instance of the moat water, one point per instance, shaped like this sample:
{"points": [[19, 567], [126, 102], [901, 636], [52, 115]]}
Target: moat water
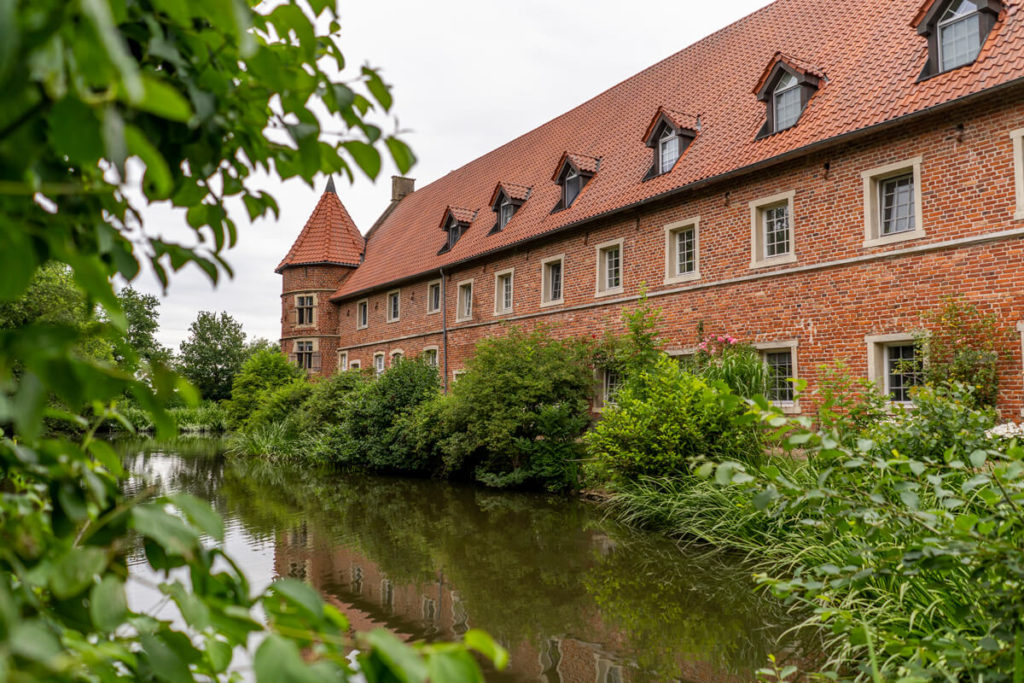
{"points": [[573, 595]]}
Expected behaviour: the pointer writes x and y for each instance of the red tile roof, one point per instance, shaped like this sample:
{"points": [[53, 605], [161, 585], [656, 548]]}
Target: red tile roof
{"points": [[793, 62], [330, 236], [465, 216], [868, 49], [512, 191]]}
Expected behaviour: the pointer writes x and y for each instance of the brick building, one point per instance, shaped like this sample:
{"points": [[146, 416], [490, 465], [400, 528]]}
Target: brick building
{"points": [[809, 179]]}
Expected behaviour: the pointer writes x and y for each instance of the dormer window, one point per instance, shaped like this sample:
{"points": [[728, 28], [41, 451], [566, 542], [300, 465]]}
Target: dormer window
{"points": [[573, 174], [786, 86], [668, 136], [786, 100], [505, 201], [455, 223], [956, 31]]}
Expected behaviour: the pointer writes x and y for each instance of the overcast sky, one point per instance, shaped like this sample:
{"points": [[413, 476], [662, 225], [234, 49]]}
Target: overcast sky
{"points": [[468, 76]]}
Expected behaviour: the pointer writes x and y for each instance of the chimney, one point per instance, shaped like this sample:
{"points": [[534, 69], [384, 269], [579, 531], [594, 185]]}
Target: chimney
{"points": [[401, 186]]}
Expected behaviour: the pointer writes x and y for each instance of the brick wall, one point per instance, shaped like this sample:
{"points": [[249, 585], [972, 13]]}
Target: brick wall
{"points": [[834, 294]]}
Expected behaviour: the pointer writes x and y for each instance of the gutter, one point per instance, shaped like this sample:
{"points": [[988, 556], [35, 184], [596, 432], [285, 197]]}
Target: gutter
{"points": [[700, 184], [444, 323]]}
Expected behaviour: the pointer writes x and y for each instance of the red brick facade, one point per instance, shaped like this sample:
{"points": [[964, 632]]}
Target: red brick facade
{"points": [[835, 294]]}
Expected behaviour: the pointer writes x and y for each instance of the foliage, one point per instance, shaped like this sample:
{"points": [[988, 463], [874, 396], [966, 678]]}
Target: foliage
{"points": [[635, 351], [263, 372], [370, 420], [899, 543], [723, 358], [960, 344], [142, 314], [666, 422], [326, 401], [518, 390], [213, 354], [848, 405], [202, 95], [280, 404]]}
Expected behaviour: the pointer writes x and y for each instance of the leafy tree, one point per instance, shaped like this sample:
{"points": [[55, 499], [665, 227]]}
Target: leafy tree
{"points": [[213, 354], [263, 372], [202, 95], [143, 316], [261, 344]]}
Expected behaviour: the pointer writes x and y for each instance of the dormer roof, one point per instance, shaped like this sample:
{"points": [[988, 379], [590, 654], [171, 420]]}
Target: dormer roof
{"points": [[683, 123], [803, 70], [514, 191], [330, 236], [581, 162], [463, 216]]}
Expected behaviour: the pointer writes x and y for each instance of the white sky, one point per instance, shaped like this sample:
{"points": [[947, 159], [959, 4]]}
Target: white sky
{"points": [[468, 76]]}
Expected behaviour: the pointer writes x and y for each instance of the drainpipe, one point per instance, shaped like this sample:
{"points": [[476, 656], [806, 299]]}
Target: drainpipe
{"points": [[444, 325]]}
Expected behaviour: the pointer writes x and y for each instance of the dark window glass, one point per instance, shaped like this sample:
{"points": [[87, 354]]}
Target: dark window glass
{"points": [[780, 371], [903, 371], [776, 230], [571, 187]]}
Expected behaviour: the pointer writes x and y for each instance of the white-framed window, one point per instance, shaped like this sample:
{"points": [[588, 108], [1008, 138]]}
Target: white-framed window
{"points": [[892, 203], [305, 310], [505, 211], [772, 239], [780, 361], [464, 301], [342, 361], [551, 270], [430, 356], [354, 365], [456, 374], [378, 363], [434, 297], [397, 355], [959, 37], [1018, 171], [609, 268], [668, 150], [394, 300], [682, 251], [786, 102], [503, 291], [571, 186], [894, 364], [362, 314], [611, 382]]}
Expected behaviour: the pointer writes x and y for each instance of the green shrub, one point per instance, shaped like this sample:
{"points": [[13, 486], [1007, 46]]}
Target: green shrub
{"points": [[326, 400], [370, 416], [282, 405], [519, 390], [209, 417], [665, 422], [959, 344], [263, 371], [724, 359]]}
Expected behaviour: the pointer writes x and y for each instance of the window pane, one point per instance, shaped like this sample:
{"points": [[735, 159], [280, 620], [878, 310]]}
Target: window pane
{"points": [[787, 107], [554, 281], [668, 153], [572, 189], [506, 292], [897, 203], [612, 384], [686, 251], [903, 371], [506, 213], [780, 371], [612, 268], [776, 230], [959, 42]]}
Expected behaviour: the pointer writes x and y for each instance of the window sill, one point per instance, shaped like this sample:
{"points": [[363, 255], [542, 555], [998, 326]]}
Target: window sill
{"points": [[508, 312], [464, 320], [686, 277], [305, 326], [434, 312], [394, 320], [774, 261], [788, 407], [362, 327], [556, 302], [895, 238], [608, 292]]}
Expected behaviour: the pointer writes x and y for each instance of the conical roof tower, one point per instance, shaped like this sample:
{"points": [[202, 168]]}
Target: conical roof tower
{"points": [[330, 236]]}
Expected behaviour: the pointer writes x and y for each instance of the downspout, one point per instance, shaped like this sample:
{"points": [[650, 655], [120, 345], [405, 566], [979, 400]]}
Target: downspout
{"points": [[444, 325]]}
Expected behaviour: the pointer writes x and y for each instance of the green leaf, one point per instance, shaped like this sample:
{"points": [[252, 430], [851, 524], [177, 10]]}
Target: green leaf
{"points": [[200, 514], [705, 470], [482, 642], [164, 101], [74, 572], [401, 659], [165, 529], [279, 661], [116, 151], [965, 522], [219, 653], [17, 263], [978, 458], [301, 595], [401, 153], [108, 606], [166, 663], [453, 665], [75, 131], [158, 175], [377, 88], [34, 641], [98, 13], [366, 156]]}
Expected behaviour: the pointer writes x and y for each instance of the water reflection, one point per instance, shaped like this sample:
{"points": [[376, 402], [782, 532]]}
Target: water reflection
{"points": [[574, 597]]}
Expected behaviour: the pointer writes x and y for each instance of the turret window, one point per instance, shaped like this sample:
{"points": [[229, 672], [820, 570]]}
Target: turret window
{"points": [[305, 305]]}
